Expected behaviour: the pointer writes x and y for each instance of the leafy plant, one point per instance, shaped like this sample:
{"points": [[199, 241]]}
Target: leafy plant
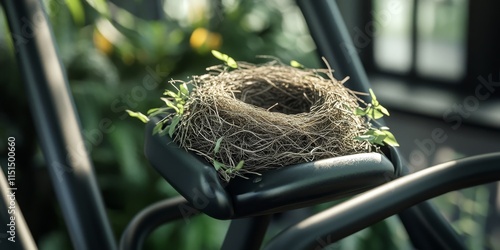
{"points": [[175, 102], [374, 111], [174, 109]]}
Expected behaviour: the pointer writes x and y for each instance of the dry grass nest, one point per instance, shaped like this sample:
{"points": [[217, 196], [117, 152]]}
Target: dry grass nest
{"points": [[269, 116]]}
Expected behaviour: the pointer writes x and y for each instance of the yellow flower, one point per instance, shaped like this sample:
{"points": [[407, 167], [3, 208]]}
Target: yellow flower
{"points": [[203, 40]]}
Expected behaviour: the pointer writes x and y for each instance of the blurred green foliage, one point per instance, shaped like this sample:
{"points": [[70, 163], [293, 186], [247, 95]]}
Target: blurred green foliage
{"points": [[119, 55]]}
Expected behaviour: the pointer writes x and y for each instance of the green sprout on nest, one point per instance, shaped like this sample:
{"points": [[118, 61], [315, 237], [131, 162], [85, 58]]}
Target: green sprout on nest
{"points": [[379, 136], [138, 115], [218, 165], [173, 111], [225, 58], [296, 64]]}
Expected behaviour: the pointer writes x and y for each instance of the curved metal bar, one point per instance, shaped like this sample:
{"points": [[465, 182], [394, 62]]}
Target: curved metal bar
{"points": [[151, 217], [274, 191], [332, 38], [388, 199], [438, 225], [333, 41], [428, 229], [309, 183], [58, 128], [193, 177]]}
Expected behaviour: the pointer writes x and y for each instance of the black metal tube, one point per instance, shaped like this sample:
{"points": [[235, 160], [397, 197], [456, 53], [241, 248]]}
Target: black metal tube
{"points": [[57, 126], [21, 237], [414, 39], [333, 42], [151, 217], [389, 199], [247, 233], [428, 229]]}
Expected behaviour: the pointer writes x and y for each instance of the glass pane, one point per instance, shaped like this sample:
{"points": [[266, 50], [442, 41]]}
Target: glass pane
{"points": [[392, 43], [442, 27]]}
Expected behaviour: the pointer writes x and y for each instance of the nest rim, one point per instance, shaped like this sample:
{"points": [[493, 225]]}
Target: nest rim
{"points": [[312, 112]]}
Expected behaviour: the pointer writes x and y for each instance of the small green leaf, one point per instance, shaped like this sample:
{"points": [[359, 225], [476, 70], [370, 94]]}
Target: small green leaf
{"points": [[379, 139], [181, 109], [170, 104], [138, 115], [374, 113], [159, 111], [372, 94], [373, 136], [225, 58], [384, 128], [173, 124], [240, 165], [179, 100], [374, 110], [217, 145], [360, 111], [184, 89], [157, 128], [217, 165], [170, 93], [374, 98], [218, 55], [296, 64], [390, 139], [232, 63], [382, 109], [152, 110], [378, 132]]}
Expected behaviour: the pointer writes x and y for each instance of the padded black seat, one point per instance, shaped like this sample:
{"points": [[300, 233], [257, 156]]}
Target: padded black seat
{"points": [[274, 191]]}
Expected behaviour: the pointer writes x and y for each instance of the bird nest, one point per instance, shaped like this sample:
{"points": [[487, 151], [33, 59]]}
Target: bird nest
{"points": [[260, 117]]}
